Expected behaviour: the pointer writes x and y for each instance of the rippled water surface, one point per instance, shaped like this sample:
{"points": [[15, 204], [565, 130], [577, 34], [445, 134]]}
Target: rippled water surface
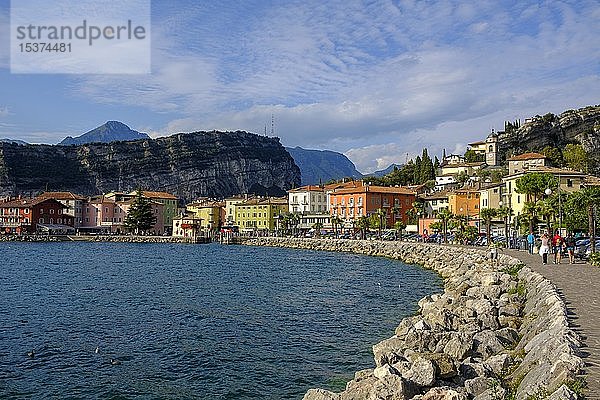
{"points": [[197, 322]]}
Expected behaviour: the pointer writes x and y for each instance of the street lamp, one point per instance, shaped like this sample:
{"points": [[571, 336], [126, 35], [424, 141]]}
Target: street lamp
{"points": [[505, 218]]}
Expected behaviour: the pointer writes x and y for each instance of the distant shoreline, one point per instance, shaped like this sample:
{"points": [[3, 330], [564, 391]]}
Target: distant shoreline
{"points": [[97, 238]]}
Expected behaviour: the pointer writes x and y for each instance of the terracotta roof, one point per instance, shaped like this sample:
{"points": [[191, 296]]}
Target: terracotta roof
{"points": [[308, 188], [26, 203], [375, 189], [546, 170], [345, 185], [527, 156], [61, 196], [443, 194], [476, 143]]}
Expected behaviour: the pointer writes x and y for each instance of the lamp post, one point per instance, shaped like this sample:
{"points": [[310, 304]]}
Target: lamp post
{"points": [[505, 218]]}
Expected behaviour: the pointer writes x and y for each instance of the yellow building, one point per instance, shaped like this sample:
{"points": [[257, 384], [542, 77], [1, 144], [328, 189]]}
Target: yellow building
{"points": [[490, 195], [230, 204], [260, 214], [464, 202], [468, 168], [570, 181], [209, 214]]}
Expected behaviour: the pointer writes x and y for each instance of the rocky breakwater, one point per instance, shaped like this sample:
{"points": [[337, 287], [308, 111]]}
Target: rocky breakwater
{"points": [[497, 331]]}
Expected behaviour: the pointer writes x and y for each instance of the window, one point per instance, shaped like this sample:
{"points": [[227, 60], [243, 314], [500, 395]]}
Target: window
{"points": [[41, 221], [569, 182], [519, 199], [27, 211], [51, 211], [41, 212]]}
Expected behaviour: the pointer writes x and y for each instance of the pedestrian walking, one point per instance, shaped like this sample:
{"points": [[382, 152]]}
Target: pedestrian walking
{"points": [[545, 248], [557, 247], [530, 242], [570, 245]]}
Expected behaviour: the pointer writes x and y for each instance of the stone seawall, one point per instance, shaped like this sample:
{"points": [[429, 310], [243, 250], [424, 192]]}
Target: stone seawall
{"points": [[497, 331]]}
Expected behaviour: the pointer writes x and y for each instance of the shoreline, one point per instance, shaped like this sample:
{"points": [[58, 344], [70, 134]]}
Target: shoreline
{"points": [[99, 238], [498, 330]]}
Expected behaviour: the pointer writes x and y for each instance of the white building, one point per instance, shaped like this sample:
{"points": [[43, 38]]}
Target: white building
{"points": [[443, 182], [307, 200]]}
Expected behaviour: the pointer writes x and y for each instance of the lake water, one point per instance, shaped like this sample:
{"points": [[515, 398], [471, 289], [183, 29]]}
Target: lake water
{"points": [[193, 321]]}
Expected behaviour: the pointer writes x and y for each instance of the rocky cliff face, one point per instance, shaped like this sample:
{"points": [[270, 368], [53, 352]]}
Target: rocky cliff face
{"points": [[320, 166], [580, 126], [215, 164]]}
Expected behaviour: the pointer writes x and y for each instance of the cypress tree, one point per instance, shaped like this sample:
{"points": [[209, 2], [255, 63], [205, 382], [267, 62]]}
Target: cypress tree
{"points": [[139, 217]]}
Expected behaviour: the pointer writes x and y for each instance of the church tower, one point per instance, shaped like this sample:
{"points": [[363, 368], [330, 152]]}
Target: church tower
{"points": [[491, 149]]}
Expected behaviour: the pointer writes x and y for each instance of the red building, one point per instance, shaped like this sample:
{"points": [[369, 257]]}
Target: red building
{"points": [[351, 203], [28, 215]]}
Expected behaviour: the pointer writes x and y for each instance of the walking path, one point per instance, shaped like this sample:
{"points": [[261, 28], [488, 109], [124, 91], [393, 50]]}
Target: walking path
{"points": [[579, 285]]}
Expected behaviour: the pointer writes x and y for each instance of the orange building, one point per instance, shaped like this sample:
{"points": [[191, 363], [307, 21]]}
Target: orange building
{"points": [[464, 202], [351, 203]]}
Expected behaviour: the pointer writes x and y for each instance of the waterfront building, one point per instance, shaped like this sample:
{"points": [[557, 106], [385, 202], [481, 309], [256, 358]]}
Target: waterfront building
{"points": [[208, 212], [107, 214], [352, 203], [260, 214], [464, 202], [230, 204], [308, 220], [525, 162], [187, 226], [490, 195], [434, 203], [569, 181], [73, 202], [33, 215], [307, 199]]}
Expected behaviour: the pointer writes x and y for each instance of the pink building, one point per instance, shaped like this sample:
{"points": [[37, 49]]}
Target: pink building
{"points": [[107, 214]]}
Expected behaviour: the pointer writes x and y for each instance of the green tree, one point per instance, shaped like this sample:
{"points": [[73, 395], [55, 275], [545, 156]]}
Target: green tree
{"points": [[336, 221], [534, 184], [427, 171], [445, 216], [317, 226], [505, 213], [140, 217], [399, 226], [363, 223], [554, 155], [381, 220], [472, 156], [487, 215], [576, 157], [588, 199]]}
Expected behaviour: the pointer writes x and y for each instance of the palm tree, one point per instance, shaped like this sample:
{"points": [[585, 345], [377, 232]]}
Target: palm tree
{"points": [[382, 220], [588, 198], [399, 226], [363, 223], [445, 216], [530, 209], [547, 210], [317, 226], [294, 221], [336, 221], [487, 215], [505, 213]]}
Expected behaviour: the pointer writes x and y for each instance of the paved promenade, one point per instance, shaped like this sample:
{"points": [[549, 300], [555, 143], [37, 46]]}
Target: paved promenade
{"points": [[579, 284]]}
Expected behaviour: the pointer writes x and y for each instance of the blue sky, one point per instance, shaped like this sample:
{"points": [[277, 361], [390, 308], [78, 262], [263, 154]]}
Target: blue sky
{"points": [[376, 80]]}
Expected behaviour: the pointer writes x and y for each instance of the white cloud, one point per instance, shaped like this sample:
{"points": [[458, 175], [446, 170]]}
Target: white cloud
{"points": [[373, 81]]}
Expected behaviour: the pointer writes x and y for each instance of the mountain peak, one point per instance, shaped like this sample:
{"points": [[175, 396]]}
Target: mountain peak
{"points": [[111, 131]]}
